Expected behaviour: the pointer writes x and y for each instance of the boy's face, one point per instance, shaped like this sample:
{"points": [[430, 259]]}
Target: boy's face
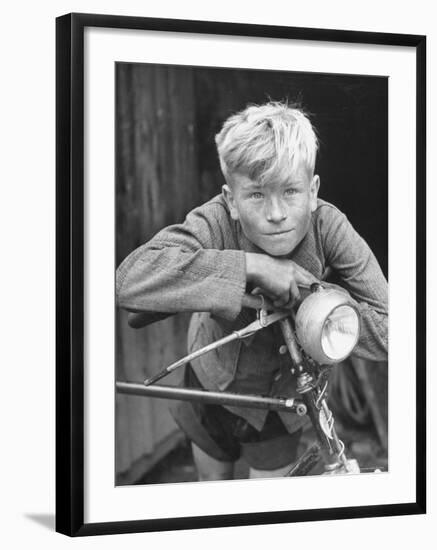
{"points": [[274, 216]]}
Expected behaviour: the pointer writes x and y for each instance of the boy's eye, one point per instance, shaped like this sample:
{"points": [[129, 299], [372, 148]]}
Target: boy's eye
{"points": [[256, 195]]}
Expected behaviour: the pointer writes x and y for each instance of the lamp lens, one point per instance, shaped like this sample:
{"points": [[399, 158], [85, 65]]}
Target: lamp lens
{"points": [[340, 332]]}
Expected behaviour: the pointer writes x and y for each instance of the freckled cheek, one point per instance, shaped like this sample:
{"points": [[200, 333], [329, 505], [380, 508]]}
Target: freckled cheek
{"points": [[295, 211], [301, 218], [251, 218], [252, 226]]}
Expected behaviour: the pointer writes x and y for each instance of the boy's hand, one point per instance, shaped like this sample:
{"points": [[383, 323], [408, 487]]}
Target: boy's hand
{"points": [[277, 278]]}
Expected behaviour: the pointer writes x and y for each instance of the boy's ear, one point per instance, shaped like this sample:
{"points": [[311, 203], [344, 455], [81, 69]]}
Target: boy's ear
{"points": [[230, 201], [314, 190]]}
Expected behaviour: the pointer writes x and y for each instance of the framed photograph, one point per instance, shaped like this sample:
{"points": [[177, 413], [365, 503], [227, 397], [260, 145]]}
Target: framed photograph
{"points": [[221, 185]]}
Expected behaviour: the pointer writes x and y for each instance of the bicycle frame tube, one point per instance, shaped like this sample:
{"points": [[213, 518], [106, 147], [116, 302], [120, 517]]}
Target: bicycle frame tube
{"points": [[220, 398]]}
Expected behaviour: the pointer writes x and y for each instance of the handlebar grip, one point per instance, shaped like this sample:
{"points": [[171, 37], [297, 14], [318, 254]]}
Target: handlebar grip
{"points": [[141, 319], [256, 301]]}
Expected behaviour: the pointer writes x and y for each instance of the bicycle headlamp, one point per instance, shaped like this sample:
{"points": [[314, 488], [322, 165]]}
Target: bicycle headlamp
{"points": [[327, 325]]}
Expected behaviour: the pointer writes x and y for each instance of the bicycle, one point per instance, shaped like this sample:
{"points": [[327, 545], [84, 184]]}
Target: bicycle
{"points": [[321, 331]]}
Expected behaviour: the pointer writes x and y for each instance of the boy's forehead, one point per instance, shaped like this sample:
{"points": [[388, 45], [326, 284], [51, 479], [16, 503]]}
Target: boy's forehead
{"points": [[299, 176], [245, 182]]}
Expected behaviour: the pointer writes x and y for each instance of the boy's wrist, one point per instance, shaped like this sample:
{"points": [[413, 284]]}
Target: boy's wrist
{"points": [[254, 266], [250, 266]]}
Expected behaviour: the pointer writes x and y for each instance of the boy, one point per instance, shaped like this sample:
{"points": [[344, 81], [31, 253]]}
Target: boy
{"points": [[267, 232]]}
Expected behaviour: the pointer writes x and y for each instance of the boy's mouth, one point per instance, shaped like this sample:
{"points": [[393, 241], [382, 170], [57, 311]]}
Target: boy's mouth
{"points": [[275, 233]]}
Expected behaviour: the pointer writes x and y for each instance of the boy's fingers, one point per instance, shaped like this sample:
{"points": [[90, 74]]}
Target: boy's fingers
{"points": [[304, 277], [294, 291], [302, 272], [258, 290], [288, 299], [282, 301]]}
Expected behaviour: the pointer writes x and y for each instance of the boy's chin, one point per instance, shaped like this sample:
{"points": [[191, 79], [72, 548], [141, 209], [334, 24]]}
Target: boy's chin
{"points": [[277, 251]]}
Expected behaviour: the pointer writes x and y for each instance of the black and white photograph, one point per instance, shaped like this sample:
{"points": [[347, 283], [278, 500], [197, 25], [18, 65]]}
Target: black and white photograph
{"points": [[217, 261], [240, 261], [251, 276]]}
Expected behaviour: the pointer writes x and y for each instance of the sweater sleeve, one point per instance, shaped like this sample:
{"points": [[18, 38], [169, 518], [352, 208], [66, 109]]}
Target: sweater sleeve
{"points": [[347, 253], [185, 268]]}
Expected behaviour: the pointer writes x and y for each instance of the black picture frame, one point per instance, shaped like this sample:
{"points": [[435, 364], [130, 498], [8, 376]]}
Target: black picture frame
{"points": [[70, 272]]}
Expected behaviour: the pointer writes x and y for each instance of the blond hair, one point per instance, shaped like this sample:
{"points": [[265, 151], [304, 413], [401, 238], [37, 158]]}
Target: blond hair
{"points": [[267, 141]]}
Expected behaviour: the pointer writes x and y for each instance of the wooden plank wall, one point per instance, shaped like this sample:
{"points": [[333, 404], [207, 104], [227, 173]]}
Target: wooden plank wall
{"points": [[156, 168]]}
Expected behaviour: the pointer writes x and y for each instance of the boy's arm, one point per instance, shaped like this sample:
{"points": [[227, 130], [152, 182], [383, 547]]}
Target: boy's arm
{"points": [[355, 264], [277, 278], [186, 268]]}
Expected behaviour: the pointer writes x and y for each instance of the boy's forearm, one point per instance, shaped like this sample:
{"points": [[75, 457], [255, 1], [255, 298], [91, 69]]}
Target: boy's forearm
{"points": [[171, 280]]}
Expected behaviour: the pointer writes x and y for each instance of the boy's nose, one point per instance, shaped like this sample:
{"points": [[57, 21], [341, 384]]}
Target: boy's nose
{"points": [[276, 212]]}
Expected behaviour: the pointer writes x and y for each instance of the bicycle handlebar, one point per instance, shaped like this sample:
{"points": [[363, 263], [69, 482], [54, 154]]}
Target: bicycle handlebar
{"points": [[140, 319]]}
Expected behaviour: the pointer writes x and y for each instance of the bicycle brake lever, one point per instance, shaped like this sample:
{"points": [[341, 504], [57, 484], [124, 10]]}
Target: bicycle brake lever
{"points": [[236, 335]]}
